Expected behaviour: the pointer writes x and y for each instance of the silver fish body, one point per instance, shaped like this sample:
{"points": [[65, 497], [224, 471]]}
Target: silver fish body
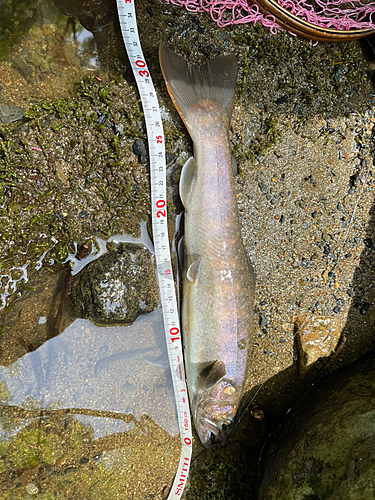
{"points": [[218, 282]]}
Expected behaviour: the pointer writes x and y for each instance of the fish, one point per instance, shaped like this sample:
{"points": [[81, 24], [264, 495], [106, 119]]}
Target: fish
{"points": [[218, 278]]}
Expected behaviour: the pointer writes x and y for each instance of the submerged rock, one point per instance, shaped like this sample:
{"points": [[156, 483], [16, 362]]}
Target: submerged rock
{"points": [[117, 287], [326, 449], [9, 114]]}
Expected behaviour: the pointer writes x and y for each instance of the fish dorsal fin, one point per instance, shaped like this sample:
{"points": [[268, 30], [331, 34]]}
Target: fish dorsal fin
{"points": [[192, 272], [234, 165], [186, 179], [187, 85], [211, 375]]}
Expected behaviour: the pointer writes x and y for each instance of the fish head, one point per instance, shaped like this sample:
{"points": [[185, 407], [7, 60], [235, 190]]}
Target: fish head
{"points": [[215, 412]]}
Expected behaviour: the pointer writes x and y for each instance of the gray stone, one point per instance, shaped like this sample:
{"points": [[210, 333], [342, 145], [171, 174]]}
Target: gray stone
{"points": [[117, 287], [24, 69], [326, 449], [9, 114]]}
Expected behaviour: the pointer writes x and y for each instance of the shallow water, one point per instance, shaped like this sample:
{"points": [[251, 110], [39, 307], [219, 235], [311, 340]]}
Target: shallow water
{"points": [[91, 398], [114, 369], [96, 398]]}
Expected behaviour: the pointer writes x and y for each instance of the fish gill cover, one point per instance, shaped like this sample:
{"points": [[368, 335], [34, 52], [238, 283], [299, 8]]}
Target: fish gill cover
{"points": [[333, 14]]}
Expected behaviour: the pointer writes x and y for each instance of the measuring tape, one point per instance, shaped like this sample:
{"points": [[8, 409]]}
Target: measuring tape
{"points": [[156, 148]]}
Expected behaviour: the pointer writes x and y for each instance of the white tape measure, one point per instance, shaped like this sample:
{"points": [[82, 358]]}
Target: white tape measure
{"points": [[156, 147]]}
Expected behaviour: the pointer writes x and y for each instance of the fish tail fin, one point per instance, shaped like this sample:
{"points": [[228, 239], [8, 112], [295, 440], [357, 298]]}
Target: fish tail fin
{"points": [[187, 85]]}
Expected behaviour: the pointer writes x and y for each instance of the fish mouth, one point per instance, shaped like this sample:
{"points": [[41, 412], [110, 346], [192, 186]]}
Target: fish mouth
{"points": [[211, 433]]}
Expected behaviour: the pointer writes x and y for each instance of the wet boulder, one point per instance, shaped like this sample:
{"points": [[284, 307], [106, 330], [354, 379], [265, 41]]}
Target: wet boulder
{"points": [[325, 451], [117, 287]]}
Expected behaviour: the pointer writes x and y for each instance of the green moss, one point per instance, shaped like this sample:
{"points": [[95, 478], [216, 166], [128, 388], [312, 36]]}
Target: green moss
{"points": [[31, 448], [74, 175], [268, 139]]}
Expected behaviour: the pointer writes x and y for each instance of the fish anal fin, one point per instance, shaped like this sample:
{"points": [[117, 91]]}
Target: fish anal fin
{"points": [[186, 179], [211, 375], [192, 272]]}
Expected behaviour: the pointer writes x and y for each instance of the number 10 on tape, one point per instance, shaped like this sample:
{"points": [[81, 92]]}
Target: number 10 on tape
{"points": [[155, 137]]}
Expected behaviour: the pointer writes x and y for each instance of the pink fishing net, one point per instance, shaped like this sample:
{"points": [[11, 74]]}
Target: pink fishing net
{"points": [[335, 14]]}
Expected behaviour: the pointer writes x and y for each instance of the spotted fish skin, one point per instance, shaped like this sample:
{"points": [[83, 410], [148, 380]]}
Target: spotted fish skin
{"points": [[218, 279]]}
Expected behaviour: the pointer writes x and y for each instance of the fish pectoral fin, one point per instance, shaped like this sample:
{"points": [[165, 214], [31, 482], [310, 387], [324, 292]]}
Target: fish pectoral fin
{"points": [[211, 375], [193, 270], [234, 165], [187, 178]]}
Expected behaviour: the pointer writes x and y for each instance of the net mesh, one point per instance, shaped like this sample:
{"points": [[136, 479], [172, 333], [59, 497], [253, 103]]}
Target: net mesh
{"points": [[334, 14]]}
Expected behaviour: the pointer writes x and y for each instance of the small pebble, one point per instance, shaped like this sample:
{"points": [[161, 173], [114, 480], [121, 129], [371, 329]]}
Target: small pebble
{"points": [[139, 148], [340, 302], [350, 292], [282, 100], [32, 489], [262, 321], [169, 157], [119, 129], [101, 119], [82, 214], [364, 308], [336, 310], [258, 414]]}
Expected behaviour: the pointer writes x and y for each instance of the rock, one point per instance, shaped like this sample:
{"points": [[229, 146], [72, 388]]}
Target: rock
{"points": [[139, 148], [22, 67], [9, 114], [326, 448], [317, 337], [117, 287]]}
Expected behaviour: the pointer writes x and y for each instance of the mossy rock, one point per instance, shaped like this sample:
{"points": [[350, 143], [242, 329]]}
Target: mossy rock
{"points": [[325, 450]]}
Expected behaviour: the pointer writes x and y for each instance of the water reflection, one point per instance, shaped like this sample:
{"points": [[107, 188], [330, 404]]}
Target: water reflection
{"points": [[116, 369], [42, 51]]}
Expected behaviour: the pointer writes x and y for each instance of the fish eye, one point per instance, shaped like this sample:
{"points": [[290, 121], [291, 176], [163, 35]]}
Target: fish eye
{"points": [[226, 424]]}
